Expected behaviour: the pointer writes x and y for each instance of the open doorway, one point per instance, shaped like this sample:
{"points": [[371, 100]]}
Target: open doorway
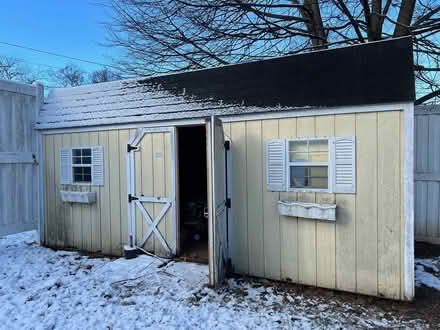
{"points": [[193, 214]]}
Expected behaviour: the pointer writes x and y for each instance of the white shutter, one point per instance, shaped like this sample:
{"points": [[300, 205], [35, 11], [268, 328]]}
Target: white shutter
{"points": [[276, 165], [66, 165], [344, 164], [98, 165]]}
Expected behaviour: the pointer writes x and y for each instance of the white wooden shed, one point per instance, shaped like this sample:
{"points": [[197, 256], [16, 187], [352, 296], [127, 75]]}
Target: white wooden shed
{"points": [[302, 165]]}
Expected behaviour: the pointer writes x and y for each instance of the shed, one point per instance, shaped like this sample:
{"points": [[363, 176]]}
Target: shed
{"points": [[297, 168]]}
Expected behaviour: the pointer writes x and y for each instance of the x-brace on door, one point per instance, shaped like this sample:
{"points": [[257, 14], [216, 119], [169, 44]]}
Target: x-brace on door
{"points": [[151, 173]]}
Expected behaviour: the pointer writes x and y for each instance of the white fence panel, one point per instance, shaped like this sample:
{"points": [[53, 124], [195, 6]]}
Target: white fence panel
{"points": [[427, 174], [19, 170]]}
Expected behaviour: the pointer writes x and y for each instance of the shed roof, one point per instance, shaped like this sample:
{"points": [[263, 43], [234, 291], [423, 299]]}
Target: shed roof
{"points": [[371, 73]]}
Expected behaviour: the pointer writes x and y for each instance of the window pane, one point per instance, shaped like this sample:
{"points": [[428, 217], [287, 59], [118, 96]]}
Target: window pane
{"points": [[76, 160], [86, 152], [298, 156], [318, 145], [318, 157], [319, 183], [318, 171], [87, 160], [298, 146], [309, 177], [76, 152], [82, 174], [298, 176]]}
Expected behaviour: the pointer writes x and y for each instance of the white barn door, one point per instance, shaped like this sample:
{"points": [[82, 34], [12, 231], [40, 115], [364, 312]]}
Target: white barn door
{"points": [[217, 196], [152, 191]]}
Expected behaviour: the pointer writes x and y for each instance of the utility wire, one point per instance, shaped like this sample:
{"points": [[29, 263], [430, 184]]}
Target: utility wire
{"points": [[25, 61], [59, 55]]}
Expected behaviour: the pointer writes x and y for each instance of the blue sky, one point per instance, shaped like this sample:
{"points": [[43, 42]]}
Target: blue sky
{"points": [[67, 27]]}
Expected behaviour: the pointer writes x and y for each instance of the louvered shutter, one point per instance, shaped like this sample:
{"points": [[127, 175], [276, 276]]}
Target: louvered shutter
{"points": [[276, 165], [66, 165], [344, 164], [98, 165]]}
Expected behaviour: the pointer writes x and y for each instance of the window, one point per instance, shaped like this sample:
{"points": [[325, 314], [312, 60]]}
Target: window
{"points": [[82, 165], [308, 164], [325, 164]]}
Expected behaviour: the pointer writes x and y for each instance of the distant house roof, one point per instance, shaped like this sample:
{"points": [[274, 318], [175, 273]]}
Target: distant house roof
{"points": [[371, 73]]}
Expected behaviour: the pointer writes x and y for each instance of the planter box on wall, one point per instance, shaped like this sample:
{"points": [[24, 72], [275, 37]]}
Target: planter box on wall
{"points": [[78, 197], [307, 210]]}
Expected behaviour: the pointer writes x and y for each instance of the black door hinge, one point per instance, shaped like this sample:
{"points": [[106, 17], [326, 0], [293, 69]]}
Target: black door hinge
{"points": [[132, 198], [227, 145], [130, 148], [228, 203]]}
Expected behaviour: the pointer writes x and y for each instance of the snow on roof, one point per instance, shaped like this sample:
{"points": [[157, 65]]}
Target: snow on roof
{"points": [[368, 74]]}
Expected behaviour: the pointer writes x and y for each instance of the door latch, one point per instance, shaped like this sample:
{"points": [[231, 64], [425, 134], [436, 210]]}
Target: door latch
{"points": [[132, 198], [228, 203], [131, 148]]}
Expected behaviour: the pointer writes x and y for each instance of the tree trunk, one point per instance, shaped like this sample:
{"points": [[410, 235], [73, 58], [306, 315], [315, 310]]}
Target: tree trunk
{"points": [[404, 20], [312, 14], [376, 21]]}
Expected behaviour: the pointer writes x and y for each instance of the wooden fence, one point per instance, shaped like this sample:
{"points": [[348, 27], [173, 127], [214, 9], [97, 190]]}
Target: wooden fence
{"points": [[427, 173], [19, 158]]}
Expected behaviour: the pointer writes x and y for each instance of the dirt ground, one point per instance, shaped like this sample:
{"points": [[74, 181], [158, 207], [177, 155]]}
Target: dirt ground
{"points": [[426, 305]]}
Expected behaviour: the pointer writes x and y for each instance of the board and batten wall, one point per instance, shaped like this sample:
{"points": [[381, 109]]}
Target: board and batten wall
{"points": [[363, 250], [427, 175], [19, 158], [102, 227]]}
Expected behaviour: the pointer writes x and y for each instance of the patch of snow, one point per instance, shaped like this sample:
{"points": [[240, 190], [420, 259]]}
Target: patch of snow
{"points": [[45, 289], [428, 273]]}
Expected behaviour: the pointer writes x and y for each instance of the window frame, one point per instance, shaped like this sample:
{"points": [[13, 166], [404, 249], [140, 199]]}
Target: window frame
{"points": [[329, 164], [82, 183]]}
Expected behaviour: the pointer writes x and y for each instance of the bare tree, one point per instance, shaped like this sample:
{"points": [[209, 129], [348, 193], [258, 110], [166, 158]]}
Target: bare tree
{"points": [[103, 76], [175, 35], [10, 68], [70, 76]]}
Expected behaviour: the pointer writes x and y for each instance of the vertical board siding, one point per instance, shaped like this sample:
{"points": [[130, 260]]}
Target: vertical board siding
{"points": [[240, 259], [115, 197], [389, 217], [325, 231], [366, 203], [427, 164], [345, 125], [271, 220], [123, 140], [19, 209], [361, 251], [91, 227], [67, 207], [59, 208], [288, 225], [104, 197], [254, 178]]}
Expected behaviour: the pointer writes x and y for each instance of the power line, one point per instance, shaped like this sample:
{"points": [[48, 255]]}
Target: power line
{"points": [[55, 54], [30, 62]]}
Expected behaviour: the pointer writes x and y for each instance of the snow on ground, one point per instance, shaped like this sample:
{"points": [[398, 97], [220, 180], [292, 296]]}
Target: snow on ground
{"points": [[428, 272], [44, 289]]}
